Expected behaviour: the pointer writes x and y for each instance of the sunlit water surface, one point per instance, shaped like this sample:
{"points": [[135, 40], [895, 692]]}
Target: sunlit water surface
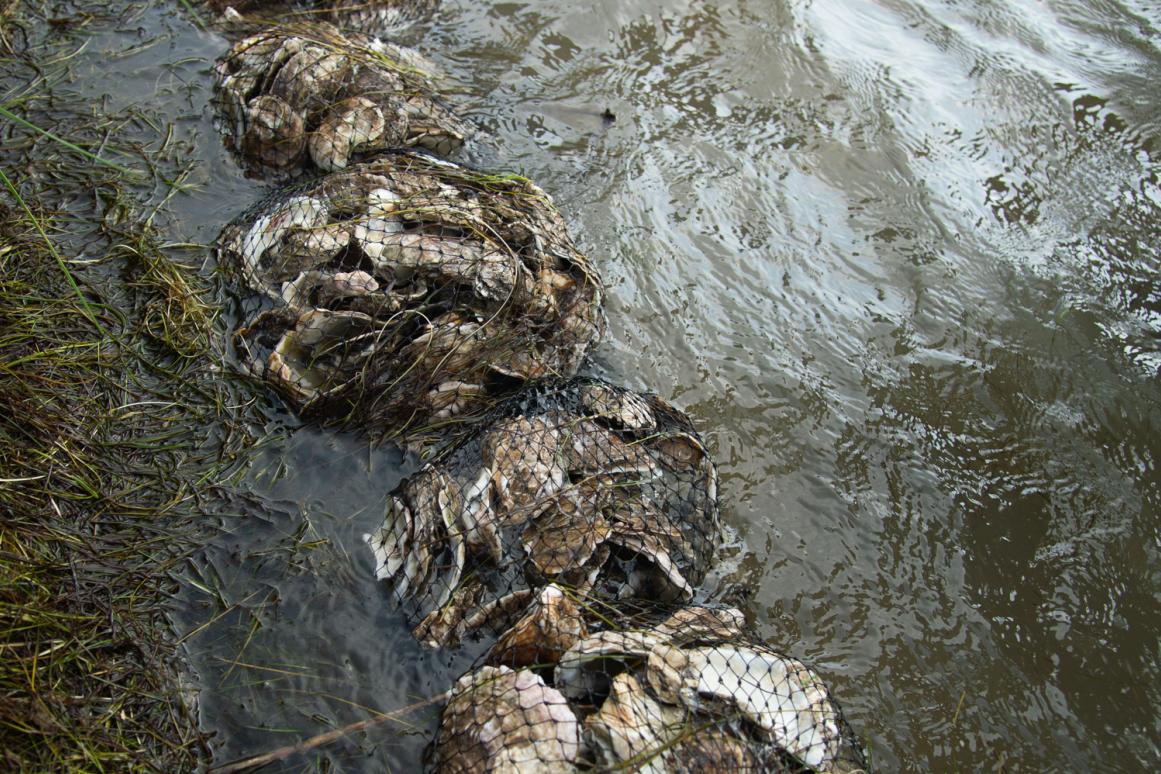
{"points": [[898, 260]]}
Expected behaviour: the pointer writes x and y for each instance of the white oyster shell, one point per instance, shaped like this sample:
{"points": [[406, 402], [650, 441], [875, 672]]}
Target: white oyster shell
{"points": [[298, 213], [586, 667], [314, 355], [351, 124], [780, 695]]}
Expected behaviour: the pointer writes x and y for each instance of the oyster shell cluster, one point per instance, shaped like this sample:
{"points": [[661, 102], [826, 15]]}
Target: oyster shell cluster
{"points": [[408, 292], [690, 694], [373, 17], [580, 486], [567, 522], [306, 95]]}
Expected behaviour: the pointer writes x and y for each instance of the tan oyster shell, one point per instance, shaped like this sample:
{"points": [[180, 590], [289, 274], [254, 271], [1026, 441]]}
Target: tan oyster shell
{"points": [[499, 720], [314, 356], [352, 92], [552, 624], [522, 454], [452, 255], [623, 408], [275, 133], [694, 623], [391, 543], [565, 532], [351, 124], [259, 244], [534, 511], [326, 288], [587, 668], [310, 78], [632, 729], [592, 448]]}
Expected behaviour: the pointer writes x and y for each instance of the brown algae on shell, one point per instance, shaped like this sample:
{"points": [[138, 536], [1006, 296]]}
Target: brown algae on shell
{"points": [[552, 624]]}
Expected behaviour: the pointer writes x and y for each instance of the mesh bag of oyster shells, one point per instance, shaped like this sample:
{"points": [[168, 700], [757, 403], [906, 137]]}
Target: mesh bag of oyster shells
{"points": [[576, 502], [692, 692], [306, 95], [372, 17], [404, 295]]}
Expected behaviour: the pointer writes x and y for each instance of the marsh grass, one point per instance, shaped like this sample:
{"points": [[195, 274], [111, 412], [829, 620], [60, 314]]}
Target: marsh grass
{"points": [[114, 422], [85, 681]]}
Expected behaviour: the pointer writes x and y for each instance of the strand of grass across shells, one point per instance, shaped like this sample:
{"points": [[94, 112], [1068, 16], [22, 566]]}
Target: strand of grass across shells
{"points": [[563, 525]]}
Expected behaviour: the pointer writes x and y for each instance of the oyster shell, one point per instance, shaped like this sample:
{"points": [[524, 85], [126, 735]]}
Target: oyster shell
{"points": [[298, 214], [326, 288], [500, 720], [391, 543], [664, 706], [523, 455], [352, 124], [375, 17], [274, 134], [622, 408], [552, 624], [586, 669], [311, 77], [781, 696], [592, 448], [317, 354], [380, 17], [478, 520], [533, 511], [709, 752], [694, 623], [632, 729]]}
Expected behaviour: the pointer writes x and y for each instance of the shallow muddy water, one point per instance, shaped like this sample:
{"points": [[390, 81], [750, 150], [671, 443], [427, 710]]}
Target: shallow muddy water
{"points": [[898, 260]]}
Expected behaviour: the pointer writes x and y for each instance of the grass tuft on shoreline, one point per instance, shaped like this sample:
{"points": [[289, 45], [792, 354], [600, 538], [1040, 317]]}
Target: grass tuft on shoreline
{"points": [[84, 682], [115, 421]]}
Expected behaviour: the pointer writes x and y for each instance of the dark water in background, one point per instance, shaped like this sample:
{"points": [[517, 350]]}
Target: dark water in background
{"points": [[899, 260]]}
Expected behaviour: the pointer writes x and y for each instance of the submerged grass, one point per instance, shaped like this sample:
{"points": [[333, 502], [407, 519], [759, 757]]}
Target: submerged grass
{"points": [[113, 424]]}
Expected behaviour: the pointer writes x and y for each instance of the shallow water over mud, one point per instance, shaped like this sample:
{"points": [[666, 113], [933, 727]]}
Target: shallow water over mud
{"points": [[898, 260]]}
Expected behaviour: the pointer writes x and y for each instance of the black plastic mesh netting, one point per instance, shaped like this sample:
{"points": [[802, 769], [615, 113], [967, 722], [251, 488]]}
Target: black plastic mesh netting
{"points": [[693, 692], [373, 17], [404, 295], [571, 491], [306, 95]]}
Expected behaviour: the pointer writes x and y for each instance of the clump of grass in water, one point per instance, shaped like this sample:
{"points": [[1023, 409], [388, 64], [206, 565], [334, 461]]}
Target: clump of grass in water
{"points": [[110, 420], [83, 676]]}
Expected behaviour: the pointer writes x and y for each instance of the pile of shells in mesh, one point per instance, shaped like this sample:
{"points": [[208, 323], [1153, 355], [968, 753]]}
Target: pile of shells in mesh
{"points": [[307, 96], [407, 292], [567, 522], [693, 693], [593, 494], [372, 17]]}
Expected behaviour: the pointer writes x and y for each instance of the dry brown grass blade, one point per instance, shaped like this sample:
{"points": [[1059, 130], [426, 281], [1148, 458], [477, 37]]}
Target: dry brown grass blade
{"points": [[306, 745]]}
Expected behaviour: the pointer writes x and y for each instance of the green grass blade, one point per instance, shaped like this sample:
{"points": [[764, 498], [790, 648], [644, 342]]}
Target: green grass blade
{"points": [[86, 307], [6, 113]]}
